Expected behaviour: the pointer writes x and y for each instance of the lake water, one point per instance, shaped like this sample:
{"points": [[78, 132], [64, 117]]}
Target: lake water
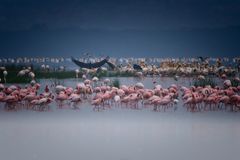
{"points": [[119, 134]]}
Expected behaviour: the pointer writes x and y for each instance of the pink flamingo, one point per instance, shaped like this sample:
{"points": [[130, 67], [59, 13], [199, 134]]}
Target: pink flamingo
{"points": [[133, 99], [28, 98], [11, 102], [75, 99], [42, 103], [2, 96], [97, 103], [61, 97], [164, 103]]}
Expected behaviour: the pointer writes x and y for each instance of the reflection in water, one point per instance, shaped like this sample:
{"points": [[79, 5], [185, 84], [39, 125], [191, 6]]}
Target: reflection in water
{"points": [[119, 134]]}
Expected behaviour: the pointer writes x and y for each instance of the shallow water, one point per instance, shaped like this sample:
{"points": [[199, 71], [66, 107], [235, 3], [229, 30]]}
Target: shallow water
{"points": [[119, 134]]}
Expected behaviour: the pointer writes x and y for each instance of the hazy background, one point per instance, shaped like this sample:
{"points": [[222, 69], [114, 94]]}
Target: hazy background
{"points": [[139, 28]]}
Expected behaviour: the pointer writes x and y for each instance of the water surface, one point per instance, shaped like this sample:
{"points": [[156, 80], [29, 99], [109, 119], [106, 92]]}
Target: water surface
{"points": [[119, 134]]}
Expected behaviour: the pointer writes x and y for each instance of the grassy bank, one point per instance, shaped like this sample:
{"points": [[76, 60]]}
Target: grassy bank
{"points": [[204, 82], [113, 74], [13, 78]]}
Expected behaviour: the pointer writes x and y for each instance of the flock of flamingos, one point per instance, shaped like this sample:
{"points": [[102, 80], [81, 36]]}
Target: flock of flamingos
{"points": [[105, 96]]}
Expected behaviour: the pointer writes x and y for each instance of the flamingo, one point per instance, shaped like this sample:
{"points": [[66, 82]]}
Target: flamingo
{"points": [[97, 103], [117, 99], [23, 72], [59, 88], [11, 102], [2, 96], [30, 97], [5, 73], [75, 99], [31, 75], [164, 103], [139, 85], [77, 72], [42, 103], [106, 81], [227, 83], [61, 97]]}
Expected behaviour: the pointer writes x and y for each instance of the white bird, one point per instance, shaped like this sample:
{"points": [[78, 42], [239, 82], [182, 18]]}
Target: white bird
{"points": [[106, 81], [59, 88], [2, 68], [227, 83], [175, 101], [5, 75], [33, 82], [104, 69], [43, 66], [77, 72], [87, 81], [84, 76], [117, 98], [31, 75], [139, 85], [1, 86], [158, 86], [95, 79], [139, 74], [61, 68], [201, 77], [176, 78], [23, 72]]}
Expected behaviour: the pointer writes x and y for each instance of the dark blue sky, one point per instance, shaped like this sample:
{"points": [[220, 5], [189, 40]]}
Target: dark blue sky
{"points": [[139, 28]]}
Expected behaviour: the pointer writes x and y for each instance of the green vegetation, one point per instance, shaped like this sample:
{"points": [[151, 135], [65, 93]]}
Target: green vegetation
{"points": [[116, 83], [13, 78], [55, 74], [113, 74], [40, 74], [204, 82], [234, 82]]}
